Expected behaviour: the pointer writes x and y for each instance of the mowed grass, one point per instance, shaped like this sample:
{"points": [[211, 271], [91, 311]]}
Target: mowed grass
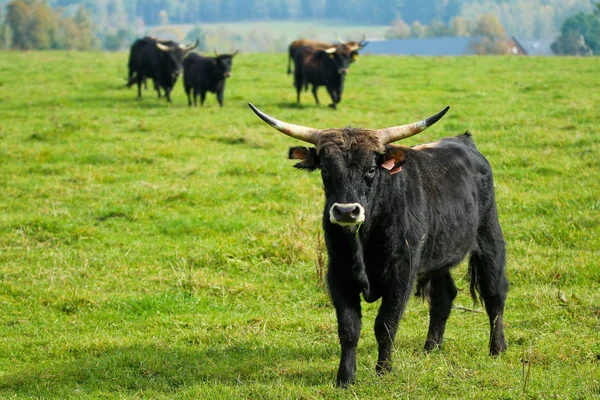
{"points": [[152, 250]]}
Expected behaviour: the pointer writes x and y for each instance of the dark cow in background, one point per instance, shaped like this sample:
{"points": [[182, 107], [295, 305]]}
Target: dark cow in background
{"points": [[158, 60], [396, 217], [296, 45], [206, 74], [321, 68]]}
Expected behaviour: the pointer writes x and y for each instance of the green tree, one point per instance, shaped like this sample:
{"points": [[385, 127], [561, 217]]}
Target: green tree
{"points": [[438, 28], [398, 29], [460, 27], [579, 35], [197, 33], [85, 31], [490, 36], [32, 23], [417, 30]]}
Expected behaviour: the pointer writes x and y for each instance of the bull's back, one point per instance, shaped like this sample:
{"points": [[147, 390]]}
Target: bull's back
{"points": [[458, 190]]}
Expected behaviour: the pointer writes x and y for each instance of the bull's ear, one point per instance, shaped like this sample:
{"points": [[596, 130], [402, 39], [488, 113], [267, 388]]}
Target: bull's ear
{"points": [[310, 160], [392, 159]]}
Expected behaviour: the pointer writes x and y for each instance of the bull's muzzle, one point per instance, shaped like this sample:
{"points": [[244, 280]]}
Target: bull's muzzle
{"points": [[346, 214], [227, 74], [343, 71]]}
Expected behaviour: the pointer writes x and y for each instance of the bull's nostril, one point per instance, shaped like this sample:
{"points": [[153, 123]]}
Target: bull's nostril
{"points": [[355, 212]]}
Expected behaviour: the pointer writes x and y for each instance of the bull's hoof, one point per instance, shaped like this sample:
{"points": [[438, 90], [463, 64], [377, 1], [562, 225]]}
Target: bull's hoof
{"points": [[498, 349], [383, 367], [343, 384], [431, 345], [332, 106]]}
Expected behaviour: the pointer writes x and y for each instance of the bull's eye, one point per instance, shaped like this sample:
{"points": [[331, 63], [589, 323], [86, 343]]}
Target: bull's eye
{"points": [[370, 175], [324, 171]]}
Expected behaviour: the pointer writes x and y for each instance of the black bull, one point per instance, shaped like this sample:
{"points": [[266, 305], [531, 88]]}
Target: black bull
{"points": [[322, 68], [398, 216], [158, 60], [206, 74]]}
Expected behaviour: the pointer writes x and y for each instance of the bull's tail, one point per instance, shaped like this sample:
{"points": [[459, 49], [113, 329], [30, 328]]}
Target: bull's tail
{"points": [[131, 81], [473, 280]]}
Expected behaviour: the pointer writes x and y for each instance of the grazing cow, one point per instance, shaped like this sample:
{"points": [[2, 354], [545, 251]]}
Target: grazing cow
{"points": [[322, 68], [158, 60], [400, 216], [296, 45], [206, 74]]}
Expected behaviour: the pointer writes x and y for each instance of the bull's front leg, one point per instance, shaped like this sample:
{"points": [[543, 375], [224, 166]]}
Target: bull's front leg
{"points": [[220, 97], [346, 300], [386, 324]]}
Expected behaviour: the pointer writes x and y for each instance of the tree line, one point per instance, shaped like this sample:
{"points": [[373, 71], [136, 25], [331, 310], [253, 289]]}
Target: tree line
{"points": [[33, 25], [113, 24]]}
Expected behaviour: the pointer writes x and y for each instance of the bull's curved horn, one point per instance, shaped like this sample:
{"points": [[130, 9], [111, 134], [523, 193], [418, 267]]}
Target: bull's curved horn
{"points": [[162, 47], [233, 55], [190, 48], [309, 135], [330, 50], [395, 133], [339, 40]]}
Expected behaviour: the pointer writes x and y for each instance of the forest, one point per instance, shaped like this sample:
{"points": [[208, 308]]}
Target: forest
{"points": [[114, 24], [527, 18]]}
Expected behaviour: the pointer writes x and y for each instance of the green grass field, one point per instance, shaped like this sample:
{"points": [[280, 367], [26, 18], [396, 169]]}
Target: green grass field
{"points": [[150, 250]]}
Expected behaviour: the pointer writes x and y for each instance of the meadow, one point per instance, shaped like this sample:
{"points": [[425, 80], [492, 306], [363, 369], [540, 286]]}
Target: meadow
{"points": [[153, 250]]}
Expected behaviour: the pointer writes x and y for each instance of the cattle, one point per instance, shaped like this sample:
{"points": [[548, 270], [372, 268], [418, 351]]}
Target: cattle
{"points": [[206, 74], [396, 217], [322, 68], [296, 45], [158, 60]]}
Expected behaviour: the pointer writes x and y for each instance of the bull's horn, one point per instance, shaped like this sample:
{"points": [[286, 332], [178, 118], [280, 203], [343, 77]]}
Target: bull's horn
{"points": [[233, 55], [303, 133], [340, 40], [163, 47], [190, 48], [395, 133], [330, 50]]}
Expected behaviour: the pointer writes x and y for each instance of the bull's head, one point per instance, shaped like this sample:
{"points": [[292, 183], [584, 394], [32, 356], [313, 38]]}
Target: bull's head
{"points": [[353, 47], [224, 63], [352, 162], [341, 58], [175, 54]]}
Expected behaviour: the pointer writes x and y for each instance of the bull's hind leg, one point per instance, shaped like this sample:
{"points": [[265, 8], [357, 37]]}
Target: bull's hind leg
{"points": [[440, 291], [187, 92], [487, 269], [314, 92]]}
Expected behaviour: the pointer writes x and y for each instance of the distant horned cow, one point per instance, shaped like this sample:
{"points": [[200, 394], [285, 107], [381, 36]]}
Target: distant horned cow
{"points": [[206, 74], [396, 217], [322, 68], [158, 60], [296, 45]]}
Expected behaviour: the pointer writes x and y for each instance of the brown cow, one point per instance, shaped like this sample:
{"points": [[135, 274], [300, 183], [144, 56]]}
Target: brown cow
{"points": [[351, 47]]}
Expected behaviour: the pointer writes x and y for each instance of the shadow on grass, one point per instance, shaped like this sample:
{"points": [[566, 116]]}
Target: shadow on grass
{"points": [[151, 368]]}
